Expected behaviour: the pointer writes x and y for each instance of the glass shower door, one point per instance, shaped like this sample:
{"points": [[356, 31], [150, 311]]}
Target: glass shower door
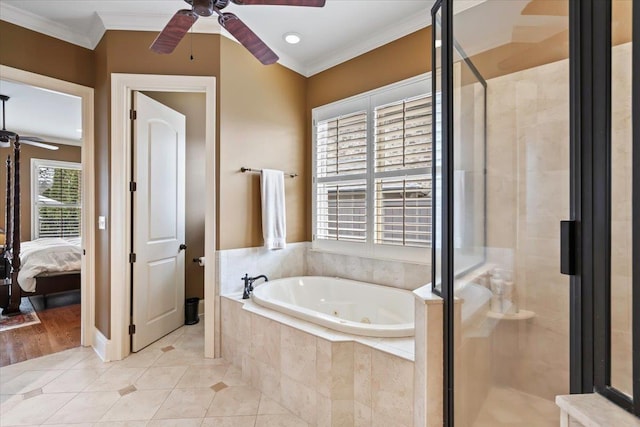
{"points": [[510, 180]]}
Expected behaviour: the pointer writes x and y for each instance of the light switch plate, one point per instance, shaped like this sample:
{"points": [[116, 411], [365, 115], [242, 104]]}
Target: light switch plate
{"points": [[102, 223]]}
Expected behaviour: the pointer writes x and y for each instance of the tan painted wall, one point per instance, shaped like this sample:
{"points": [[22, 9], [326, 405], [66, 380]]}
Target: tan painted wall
{"points": [[66, 153], [192, 105], [262, 125], [128, 52], [35, 52]]}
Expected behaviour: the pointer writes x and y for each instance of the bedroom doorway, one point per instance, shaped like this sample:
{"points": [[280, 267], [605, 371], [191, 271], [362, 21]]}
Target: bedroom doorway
{"points": [[53, 177], [159, 86]]}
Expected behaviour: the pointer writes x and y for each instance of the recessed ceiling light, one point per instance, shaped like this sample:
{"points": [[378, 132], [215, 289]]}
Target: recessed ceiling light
{"points": [[292, 38]]}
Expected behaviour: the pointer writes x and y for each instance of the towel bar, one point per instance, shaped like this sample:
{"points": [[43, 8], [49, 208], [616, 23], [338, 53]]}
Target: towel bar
{"points": [[289, 174]]}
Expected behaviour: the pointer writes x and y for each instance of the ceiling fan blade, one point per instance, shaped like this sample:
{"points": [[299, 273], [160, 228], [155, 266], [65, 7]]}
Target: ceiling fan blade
{"points": [[37, 142], [310, 3], [174, 31], [247, 38]]}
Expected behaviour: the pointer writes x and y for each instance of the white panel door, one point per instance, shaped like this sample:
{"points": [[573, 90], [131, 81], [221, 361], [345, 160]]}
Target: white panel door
{"points": [[158, 221]]}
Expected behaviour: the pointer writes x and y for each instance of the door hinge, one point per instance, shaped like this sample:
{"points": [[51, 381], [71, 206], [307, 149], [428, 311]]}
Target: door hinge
{"points": [[133, 186], [132, 329], [133, 114], [132, 258]]}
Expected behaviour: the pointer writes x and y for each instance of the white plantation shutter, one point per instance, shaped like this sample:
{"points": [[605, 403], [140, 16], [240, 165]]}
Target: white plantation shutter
{"points": [[342, 145], [56, 199], [341, 158], [372, 172], [403, 142], [342, 211]]}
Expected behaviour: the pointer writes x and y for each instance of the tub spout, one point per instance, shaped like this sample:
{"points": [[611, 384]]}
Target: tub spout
{"points": [[248, 284]]}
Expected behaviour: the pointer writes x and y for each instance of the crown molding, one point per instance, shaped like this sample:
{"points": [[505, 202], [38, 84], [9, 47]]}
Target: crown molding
{"points": [[380, 38], [155, 22], [42, 25]]}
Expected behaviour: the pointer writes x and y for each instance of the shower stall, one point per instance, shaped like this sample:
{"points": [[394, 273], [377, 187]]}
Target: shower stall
{"points": [[533, 126]]}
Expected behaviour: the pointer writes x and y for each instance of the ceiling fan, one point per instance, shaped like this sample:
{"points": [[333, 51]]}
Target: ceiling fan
{"points": [[184, 19], [6, 136]]}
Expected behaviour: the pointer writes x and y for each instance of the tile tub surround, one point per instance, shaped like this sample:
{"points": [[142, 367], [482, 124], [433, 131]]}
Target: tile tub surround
{"points": [[324, 377], [298, 259], [232, 264], [404, 275], [169, 383]]}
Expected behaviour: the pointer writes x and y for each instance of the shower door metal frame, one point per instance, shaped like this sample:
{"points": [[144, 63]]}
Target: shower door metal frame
{"points": [[592, 36]]}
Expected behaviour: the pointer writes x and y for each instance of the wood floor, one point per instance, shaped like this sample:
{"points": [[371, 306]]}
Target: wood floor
{"points": [[59, 329]]}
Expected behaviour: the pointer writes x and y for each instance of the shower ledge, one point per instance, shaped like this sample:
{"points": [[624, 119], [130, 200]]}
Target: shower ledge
{"points": [[593, 410]]}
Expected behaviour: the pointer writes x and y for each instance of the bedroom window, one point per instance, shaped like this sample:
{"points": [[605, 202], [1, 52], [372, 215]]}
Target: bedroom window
{"points": [[372, 173], [56, 195]]}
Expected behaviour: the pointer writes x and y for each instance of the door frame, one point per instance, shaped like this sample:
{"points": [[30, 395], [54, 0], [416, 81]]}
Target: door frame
{"points": [[122, 86], [87, 278]]}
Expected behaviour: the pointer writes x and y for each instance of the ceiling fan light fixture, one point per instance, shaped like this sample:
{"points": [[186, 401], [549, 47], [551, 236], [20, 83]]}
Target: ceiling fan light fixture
{"points": [[292, 38]]}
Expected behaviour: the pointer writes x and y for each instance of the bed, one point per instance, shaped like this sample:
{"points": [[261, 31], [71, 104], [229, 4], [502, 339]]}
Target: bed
{"points": [[37, 267]]}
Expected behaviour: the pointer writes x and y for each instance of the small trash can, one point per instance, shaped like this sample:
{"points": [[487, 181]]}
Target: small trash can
{"points": [[191, 311]]}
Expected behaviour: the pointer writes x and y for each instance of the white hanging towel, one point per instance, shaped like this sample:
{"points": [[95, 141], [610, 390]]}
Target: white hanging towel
{"points": [[274, 222]]}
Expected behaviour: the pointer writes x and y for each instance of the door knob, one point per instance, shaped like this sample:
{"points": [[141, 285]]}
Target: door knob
{"points": [[182, 247]]}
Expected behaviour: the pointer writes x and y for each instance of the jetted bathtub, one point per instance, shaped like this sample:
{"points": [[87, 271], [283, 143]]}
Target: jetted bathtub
{"points": [[344, 305]]}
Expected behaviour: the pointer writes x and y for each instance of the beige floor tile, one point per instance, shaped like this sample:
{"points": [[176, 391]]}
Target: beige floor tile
{"points": [[73, 380], [85, 407], [243, 421], [140, 405], [160, 378], [186, 403], [240, 400], [35, 410], [115, 379], [177, 422], [71, 425], [270, 407], [279, 420], [62, 360], [143, 359], [202, 376], [121, 424], [28, 380], [233, 377], [179, 357]]}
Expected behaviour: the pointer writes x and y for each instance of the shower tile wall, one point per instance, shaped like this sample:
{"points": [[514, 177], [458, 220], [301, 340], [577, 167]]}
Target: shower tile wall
{"points": [[621, 216], [527, 197]]}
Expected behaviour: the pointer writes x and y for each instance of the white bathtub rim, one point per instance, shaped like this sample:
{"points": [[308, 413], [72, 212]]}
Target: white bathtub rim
{"points": [[394, 346], [375, 330]]}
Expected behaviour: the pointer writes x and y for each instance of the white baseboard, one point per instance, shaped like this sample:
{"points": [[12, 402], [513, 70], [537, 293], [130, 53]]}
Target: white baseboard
{"points": [[201, 308], [101, 345]]}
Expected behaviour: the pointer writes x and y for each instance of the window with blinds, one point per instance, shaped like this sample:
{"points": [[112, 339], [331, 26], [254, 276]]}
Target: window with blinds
{"points": [[57, 199], [403, 172], [372, 172], [342, 146]]}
